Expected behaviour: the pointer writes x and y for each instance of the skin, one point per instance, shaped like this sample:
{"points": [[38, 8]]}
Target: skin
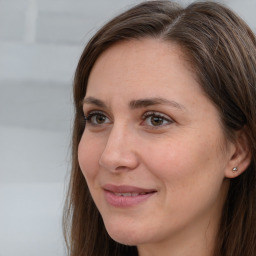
{"points": [[183, 154]]}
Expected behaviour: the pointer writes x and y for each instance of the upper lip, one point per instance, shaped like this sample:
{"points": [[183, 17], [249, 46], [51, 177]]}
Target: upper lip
{"points": [[126, 189]]}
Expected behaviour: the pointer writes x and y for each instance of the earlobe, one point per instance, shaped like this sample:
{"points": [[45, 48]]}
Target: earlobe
{"points": [[240, 158]]}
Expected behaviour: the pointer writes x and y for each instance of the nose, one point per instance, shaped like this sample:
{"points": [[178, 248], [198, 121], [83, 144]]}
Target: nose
{"points": [[120, 150]]}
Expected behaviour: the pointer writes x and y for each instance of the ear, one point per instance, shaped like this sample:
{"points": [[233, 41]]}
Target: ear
{"points": [[240, 155]]}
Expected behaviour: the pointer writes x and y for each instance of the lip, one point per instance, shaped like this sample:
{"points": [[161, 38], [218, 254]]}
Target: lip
{"points": [[126, 196]]}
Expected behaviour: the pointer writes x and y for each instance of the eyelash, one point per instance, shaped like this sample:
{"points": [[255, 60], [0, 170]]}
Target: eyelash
{"points": [[145, 116], [90, 115], [161, 116]]}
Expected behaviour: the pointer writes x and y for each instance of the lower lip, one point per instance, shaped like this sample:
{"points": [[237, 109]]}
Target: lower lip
{"points": [[125, 201]]}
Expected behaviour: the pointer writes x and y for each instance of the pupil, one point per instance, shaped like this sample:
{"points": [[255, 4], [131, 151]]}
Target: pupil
{"points": [[100, 119], [156, 120]]}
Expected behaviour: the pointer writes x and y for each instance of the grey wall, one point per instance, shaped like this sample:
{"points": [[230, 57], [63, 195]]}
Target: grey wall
{"points": [[40, 43]]}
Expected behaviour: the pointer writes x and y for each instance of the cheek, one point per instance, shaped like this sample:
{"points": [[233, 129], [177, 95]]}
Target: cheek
{"points": [[186, 173], [88, 157], [184, 164]]}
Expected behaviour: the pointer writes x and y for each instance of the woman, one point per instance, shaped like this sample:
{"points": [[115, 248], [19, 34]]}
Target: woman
{"points": [[165, 135]]}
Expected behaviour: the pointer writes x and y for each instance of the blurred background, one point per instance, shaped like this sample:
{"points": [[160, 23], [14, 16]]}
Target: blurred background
{"points": [[40, 44]]}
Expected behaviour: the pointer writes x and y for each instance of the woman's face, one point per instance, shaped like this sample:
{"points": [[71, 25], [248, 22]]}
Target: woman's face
{"points": [[153, 151]]}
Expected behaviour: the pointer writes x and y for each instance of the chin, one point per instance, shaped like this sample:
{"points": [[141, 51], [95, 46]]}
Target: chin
{"points": [[125, 236]]}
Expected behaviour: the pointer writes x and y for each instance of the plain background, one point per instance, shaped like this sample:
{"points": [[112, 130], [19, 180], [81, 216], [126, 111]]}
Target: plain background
{"points": [[40, 43]]}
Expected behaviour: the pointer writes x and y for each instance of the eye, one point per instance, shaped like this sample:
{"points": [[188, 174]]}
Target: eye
{"points": [[156, 119], [96, 118]]}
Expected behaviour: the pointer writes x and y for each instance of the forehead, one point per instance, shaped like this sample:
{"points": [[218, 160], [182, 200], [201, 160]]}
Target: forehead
{"points": [[140, 63]]}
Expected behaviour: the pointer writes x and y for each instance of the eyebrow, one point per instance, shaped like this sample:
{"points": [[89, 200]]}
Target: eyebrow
{"points": [[140, 103], [94, 101]]}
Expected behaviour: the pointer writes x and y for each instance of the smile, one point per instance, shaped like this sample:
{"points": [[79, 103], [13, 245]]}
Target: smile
{"points": [[129, 194], [126, 196]]}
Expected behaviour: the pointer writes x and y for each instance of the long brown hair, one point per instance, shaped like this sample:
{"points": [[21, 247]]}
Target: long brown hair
{"points": [[221, 49]]}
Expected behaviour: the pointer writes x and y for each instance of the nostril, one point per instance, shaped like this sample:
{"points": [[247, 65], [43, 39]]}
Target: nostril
{"points": [[118, 161], [122, 168]]}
